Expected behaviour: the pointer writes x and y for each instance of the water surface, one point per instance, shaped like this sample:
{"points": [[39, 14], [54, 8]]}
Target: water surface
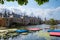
{"points": [[38, 35]]}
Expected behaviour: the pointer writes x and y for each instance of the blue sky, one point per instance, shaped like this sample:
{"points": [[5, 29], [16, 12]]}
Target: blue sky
{"points": [[49, 9]]}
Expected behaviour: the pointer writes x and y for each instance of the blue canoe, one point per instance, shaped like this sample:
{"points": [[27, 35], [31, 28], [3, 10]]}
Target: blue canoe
{"points": [[21, 31], [53, 30]]}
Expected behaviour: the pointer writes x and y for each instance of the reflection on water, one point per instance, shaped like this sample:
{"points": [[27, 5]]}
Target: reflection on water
{"points": [[38, 35]]}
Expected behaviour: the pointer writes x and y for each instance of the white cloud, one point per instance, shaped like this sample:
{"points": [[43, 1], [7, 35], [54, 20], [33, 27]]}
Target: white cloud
{"points": [[49, 13]]}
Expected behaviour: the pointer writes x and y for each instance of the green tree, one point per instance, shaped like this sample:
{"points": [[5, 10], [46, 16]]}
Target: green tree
{"points": [[21, 2], [1, 1], [24, 2], [41, 1], [10, 0], [52, 22]]}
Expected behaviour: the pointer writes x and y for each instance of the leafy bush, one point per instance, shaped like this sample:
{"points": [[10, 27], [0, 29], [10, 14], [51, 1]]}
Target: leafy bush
{"points": [[52, 22]]}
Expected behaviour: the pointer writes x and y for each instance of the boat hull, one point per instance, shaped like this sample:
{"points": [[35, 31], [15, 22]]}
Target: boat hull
{"points": [[21, 31], [53, 30], [34, 29], [55, 34]]}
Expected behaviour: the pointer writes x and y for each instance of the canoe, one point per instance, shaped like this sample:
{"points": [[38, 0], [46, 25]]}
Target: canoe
{"points": [[21, 31], [53, 30], [54, 34], [34, 29]]}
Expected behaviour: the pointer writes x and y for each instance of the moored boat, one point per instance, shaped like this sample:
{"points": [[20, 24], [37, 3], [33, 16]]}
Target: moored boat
{"points": [[21, 31], [53, 30], [34, 29], [55, 34]]}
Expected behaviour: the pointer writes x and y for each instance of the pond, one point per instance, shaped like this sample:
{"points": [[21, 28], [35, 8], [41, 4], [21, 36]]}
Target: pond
{"points": [[37, 35]]}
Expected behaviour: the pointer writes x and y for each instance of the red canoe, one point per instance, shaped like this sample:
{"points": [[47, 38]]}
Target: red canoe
{"points": [[34, 29], [54, 33]]}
